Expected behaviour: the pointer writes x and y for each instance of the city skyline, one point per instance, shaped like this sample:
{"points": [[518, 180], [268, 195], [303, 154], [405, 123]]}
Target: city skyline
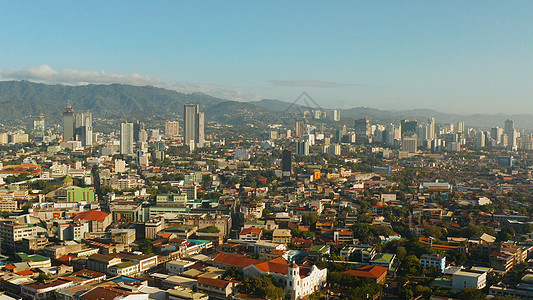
{"points": [[473, 57]]}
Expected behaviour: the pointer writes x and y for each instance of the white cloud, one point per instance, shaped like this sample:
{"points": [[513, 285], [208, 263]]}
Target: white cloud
{"points": [[46, 74]]}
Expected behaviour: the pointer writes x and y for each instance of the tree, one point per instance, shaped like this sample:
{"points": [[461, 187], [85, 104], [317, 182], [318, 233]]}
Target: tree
{"points": [[361, 231], [472, 294], [263, 286], [233, 272], [43, 277], [309, 219], [401, 252]]}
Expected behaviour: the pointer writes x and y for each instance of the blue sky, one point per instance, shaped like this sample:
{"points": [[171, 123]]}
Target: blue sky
{"points": [[453, 56]]}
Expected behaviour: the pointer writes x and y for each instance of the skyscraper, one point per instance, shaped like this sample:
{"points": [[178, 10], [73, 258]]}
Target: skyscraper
{"points": [[409, 127], [299, 128], [138, 127], [480, 140], [126, 138], [302, 148], [193, 128], [68, 123], [511, 133], [410, 143], [363, 131], [286, 164], [431, 133], [336, 115], [38, 128], [460, 127], [84, 128], [172, 128]]}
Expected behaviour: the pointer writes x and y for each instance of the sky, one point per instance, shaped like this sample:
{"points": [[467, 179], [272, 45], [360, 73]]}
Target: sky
{"points": [[451, 56]]}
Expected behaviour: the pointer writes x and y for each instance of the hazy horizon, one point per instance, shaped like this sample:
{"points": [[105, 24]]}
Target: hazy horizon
{"points": [[449, 56]]}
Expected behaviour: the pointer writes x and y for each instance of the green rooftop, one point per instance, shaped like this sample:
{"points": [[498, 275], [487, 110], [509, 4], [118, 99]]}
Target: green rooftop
{"points": [[319, 248], [383, 257], [35, 257], [256, 222], [125, 265]]}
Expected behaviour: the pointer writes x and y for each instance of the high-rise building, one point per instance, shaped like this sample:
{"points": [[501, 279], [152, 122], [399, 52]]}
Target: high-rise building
{"points": [[409, 127], [84, 128], [363, 131], [511, 133], [336, 115], [286, 164], [193, 126], [172, 129], [138, 127], [299, 128], [68, 123], [480, 140], [460, 127], [38, 128], [390, 134], [126, 138], [334, 149], [302, 148], [410, 143], [431, 133]]}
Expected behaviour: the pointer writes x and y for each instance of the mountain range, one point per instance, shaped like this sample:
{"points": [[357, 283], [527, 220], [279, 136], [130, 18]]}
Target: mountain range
{"points": [[21, 100]]}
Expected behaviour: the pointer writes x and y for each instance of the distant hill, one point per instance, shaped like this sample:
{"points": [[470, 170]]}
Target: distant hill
{"points": [[22, 99]]}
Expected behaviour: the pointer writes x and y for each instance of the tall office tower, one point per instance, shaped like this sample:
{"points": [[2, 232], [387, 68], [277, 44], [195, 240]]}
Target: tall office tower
{"points": [[334, 149], [511, 133], [509, 126], [138, 127], [317, 114], [299, 129], [496, 134], [480, 140], [302, 148], [339, 133], [409, 126], [172, 129], [286, 164], [422, 131], [431, 133], [84, 128], [38, 128], [362, 131], [193, 129], [68, 123], [410, 143], [460, 127], [126, 138], [389, 134], [336, 115]]}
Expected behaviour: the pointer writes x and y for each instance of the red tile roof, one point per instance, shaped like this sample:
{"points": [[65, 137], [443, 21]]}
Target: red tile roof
{"points": [[25, 273], [164, 235], [104, 293], [368, 272], [250, 230], [91, 215], [235, 260], [213, 282], [277, 265]]}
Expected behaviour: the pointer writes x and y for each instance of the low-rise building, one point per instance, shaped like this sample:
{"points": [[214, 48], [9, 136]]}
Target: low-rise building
{"points": [[281, 236], [433, 260], [215, 288], [469, 279], [376, 273]]}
